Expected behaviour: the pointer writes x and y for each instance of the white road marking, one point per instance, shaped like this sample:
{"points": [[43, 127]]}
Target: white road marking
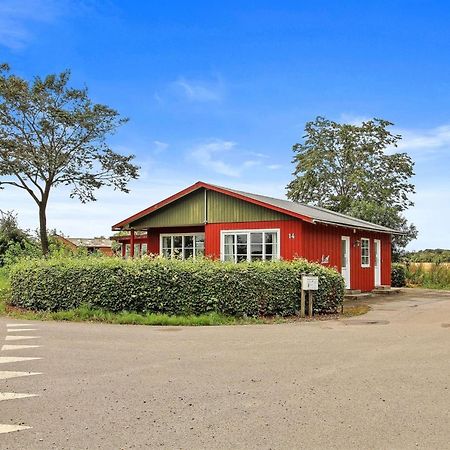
{"points": [[18, 347], [21, 329], [14, 395], [5, 374], [19, 338], [10, 359], [11, 428]]}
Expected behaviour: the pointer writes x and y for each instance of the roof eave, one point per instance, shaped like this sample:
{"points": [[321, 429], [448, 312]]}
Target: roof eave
{"points": [[359, 227]]}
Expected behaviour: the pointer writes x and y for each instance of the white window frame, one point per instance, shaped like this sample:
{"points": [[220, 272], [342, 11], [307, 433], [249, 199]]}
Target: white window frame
{"points": [[368, 252], [223, 233], [163, 235]]}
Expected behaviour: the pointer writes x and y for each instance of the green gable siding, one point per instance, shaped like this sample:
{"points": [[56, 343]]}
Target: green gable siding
{"points": [[223, 208], [188, 210]]}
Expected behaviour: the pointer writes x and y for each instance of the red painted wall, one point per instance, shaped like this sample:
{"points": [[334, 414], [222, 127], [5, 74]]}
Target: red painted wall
{"points": [[326, 240], [289, 247], [298, 239]]}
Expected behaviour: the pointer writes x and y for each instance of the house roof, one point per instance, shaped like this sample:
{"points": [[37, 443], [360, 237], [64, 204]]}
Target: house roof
{"points": [[88, 242], [313, 214]]}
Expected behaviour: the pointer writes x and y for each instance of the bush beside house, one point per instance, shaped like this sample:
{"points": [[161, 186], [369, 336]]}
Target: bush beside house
{"points": [[171, 286], [398, 275]]}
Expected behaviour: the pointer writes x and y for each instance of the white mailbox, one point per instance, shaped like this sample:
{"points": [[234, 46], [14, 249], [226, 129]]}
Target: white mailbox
{"points": [[310, 283]]}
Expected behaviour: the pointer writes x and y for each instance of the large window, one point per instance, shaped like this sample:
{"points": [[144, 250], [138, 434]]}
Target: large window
{"points": [[250, 245], [365, 252], [182, 246]]}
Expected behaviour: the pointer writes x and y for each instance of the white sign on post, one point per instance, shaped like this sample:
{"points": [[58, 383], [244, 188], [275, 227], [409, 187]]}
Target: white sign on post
{"points": [[310, 283]]}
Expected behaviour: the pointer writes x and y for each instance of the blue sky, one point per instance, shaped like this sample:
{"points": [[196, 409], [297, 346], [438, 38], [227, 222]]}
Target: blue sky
{"points": [[219, 91]]}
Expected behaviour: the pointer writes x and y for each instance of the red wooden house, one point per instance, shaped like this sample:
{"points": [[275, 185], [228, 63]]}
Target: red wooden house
{"points": [[231, 225]]}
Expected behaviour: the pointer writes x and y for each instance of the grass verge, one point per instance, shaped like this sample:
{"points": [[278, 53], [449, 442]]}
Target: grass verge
{"points": [[355, 310], [86, 314]]}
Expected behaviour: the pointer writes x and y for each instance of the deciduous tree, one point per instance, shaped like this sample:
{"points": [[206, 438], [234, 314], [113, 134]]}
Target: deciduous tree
{"points": [[353, 169], [52, 134]]}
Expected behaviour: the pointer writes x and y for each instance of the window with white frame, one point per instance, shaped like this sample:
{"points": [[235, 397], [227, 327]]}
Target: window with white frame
{"points": [[182, 246], [365, 252], [250, 245]]}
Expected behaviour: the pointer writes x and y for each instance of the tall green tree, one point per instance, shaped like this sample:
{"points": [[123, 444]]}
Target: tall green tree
{"points": [[353, 169], [52, 134]]}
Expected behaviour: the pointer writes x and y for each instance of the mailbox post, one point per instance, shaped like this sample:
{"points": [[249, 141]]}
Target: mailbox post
{"points": [[310, 283]]}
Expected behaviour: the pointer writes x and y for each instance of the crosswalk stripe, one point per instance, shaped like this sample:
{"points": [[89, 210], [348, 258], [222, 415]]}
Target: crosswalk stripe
{"points": [[14, 395], [13, 330], [5, 374], [18, 347], [10, 428], [19, 338], [11, 359]]}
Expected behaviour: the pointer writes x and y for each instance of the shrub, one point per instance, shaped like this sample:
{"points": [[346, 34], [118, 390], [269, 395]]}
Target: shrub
{"points": [[398, 275], [171, 287], [429, 275]]}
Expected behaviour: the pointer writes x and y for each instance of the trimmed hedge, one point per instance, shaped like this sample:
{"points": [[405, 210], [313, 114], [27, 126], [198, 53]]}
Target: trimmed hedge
{"points": [[398, 275], [172, 286]]}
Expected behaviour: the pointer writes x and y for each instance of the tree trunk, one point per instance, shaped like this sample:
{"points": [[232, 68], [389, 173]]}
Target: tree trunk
{"points": [[43, 228]]}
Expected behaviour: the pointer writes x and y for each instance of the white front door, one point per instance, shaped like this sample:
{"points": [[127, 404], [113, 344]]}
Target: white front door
{"points": [[377, 265], [345, 260]]}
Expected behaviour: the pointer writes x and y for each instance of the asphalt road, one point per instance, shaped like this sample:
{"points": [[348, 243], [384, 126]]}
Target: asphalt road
{"points": [[379, 381]]}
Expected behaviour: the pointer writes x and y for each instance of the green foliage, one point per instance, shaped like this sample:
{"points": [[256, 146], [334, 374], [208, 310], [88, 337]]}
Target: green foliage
{"points": [[171, 287], [346, 168], [436, 256], [4, 289], [13, 240], [431, 276], [398, 275]]}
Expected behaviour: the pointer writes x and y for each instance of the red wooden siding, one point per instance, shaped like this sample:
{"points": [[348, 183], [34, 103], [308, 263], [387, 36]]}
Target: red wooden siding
{"points": [[289, 247], [297, 239], [325, 240]]}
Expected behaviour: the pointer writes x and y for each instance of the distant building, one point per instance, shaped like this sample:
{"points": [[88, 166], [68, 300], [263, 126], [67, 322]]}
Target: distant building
{"points": [[92, 245]]}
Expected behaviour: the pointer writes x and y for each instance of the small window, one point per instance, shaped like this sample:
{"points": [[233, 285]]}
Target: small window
{"points": [[143, 249], [365, 252], [183, 246]]}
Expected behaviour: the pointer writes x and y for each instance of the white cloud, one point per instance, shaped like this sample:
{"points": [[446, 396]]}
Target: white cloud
{"points": [[209, 154], [160, 146], [198, 90], [188, 90], [432, 139], [17, 17], [274, 166]]}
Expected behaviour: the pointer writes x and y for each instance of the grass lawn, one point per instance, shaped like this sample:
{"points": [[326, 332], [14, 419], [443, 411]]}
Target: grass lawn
{"points": [[4, 283]]}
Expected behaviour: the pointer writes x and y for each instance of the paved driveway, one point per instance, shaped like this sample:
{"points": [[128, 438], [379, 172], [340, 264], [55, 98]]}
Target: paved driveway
{"points": [[379, 381]]}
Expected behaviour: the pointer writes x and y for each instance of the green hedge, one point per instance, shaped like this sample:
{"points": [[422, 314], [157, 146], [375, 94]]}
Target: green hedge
{"points": [[171, 286], [398, 275]]}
